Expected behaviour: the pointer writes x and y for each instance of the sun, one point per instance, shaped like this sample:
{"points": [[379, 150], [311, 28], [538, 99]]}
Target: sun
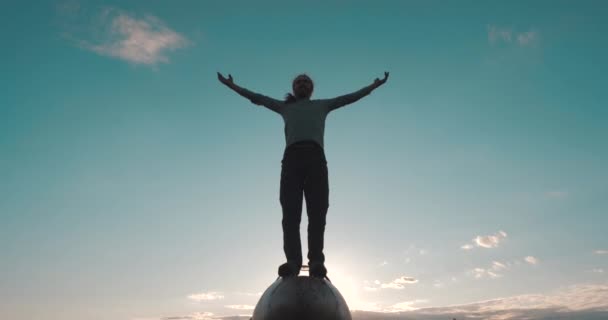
{"points": [[344, 280]]}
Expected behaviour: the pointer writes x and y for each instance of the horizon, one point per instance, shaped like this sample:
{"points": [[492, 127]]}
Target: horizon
{"points": [[136, 186]]}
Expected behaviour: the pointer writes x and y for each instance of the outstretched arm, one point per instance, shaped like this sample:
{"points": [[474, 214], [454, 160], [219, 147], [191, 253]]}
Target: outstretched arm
{"points": [[256, 98], [343, 100]]}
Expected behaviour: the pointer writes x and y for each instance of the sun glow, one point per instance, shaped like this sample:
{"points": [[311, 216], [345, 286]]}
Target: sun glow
{"points": [[342, 278]]}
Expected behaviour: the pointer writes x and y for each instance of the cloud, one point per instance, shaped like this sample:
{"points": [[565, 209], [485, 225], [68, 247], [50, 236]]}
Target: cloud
{"points": [[206, 296], [383, 263], [203, 316], [600, 251], [479, 273], [405, 306], [240, 307], [193, 316], [585, 301], [598, 270], [496, 34], [531, 260], [118, 34], [493, 272], [248, 294], [507, 36], [413, 249], [398, 283], [527, 38], [490, 241]]}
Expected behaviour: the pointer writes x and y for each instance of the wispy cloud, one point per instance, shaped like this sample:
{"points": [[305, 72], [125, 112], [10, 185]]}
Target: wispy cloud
{"points": [[206, 296], [489, 241], [493, 271], [498, 265], [531, 260], [508, 36], [248, 294], [399, 283], [600, 251], [576, 302], [497, 269], [479, 273], [193, 316], [115, 33], [240, 307], [527, 38], [496, 34], [414, 251], [405, 306], [371, 286]]}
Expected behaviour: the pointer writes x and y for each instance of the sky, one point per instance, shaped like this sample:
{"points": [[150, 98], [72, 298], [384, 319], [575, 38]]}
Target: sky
{"points": [[135, 186]]}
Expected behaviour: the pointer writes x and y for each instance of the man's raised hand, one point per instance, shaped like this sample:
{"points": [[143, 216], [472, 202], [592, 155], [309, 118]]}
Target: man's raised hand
{"points": [[227, 81], [378, 82]]}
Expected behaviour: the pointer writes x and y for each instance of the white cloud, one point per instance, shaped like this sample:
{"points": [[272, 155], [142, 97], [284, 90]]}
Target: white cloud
{"points": [[248, 294], [117, 34], [508, 36], [479, 273], [598, 270], [496, 34], [193, 316], [240, 306], [527, 38], [585, 301], [383, 263], [492, 272], [600, 251], [531, 260], [206, 296], [489, 241], [413, 249], [399, 283], [405, 306], [498, 265]]}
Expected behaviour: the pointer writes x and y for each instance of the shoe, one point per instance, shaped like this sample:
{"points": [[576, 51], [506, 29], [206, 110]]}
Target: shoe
{"points": [[318, 270], [289, 269]]}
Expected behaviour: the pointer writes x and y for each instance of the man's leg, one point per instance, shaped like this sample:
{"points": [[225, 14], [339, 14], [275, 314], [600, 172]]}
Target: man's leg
{"points": [[292, 183], [316, 191]]}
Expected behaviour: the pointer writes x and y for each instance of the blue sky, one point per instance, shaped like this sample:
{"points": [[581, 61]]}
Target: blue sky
{"points": [[136, 186]]}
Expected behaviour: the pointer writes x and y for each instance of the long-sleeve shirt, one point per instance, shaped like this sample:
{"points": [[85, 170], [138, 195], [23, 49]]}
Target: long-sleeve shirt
{"points": [[305, 118]]}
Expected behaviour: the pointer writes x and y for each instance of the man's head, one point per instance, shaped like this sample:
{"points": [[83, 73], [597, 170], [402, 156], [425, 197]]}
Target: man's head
{"points": [[302, 86]]}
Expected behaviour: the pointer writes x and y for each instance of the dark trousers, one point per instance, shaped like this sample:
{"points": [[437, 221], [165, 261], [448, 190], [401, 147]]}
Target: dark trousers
{"points": [[304, 172]]}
